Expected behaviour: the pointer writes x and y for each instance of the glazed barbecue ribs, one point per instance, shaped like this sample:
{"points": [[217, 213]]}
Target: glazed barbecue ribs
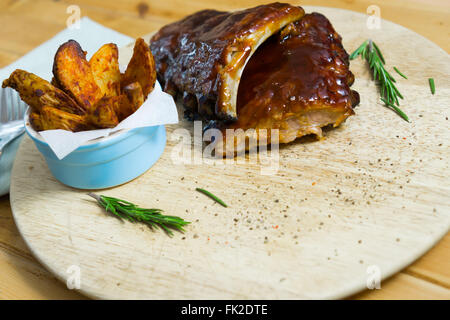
{"points": [[268, 67]]}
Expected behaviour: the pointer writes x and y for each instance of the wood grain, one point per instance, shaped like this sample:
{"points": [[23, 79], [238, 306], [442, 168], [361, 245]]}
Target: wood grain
{"points": [[410, 287], [124, 16], [21, 276]]}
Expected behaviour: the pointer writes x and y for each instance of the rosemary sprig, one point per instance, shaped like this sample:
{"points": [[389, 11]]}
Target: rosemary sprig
{"points": [[209, 194], [389, 92], [129, 211], [432, 86]]}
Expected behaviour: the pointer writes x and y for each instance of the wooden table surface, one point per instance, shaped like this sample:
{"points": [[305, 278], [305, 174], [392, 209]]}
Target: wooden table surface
{"points": [[28, 23]]}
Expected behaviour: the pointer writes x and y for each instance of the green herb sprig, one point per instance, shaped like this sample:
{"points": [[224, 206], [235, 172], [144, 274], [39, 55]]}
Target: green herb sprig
{"points": [[131, 212], [389, 93], [209, 194]]}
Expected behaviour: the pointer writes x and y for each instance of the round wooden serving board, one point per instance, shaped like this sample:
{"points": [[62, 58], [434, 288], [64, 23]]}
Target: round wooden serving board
{"points": [[374, 193]]}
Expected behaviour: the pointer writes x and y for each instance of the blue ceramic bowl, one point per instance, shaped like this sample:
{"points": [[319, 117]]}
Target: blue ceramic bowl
{"points": [[105, 162], [6, 163]]}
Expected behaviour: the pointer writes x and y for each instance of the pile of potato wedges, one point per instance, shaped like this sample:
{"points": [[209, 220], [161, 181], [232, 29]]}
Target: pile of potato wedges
{"points": [[86, 95]]}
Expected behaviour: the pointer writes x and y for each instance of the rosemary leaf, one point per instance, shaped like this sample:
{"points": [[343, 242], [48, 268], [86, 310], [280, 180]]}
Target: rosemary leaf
{"points": [[358, 51], [396, 109], [432, 86], [401, 74], [209, 194]]}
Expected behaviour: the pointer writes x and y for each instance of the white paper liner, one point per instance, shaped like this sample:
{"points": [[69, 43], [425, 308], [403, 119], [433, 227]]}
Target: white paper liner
{"points": [[158, 109]]}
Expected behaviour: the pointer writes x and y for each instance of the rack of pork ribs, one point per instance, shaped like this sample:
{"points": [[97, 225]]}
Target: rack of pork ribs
{"points": [[268, 67]]}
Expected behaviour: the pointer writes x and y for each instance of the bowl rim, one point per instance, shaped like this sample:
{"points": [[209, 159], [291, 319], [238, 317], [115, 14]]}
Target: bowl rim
{"points": [[90, 144]]}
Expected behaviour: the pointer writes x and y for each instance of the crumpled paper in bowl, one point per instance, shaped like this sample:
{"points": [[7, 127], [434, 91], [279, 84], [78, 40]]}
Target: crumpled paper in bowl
{"points": [[158, 109]]}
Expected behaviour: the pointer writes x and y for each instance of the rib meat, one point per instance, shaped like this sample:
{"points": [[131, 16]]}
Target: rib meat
{"points": [[298, 81], [292, 74], [202, 56]]}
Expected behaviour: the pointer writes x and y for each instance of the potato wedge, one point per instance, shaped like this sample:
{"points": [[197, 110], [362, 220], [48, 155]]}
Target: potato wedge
{"points": [[37, 92], [104, 115], [52, 118], [134, 94], [141, 68], [55, 83], [122, 107], [73, 74], [134, 97], [35, 121], [131, 99], [105, 69]]}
